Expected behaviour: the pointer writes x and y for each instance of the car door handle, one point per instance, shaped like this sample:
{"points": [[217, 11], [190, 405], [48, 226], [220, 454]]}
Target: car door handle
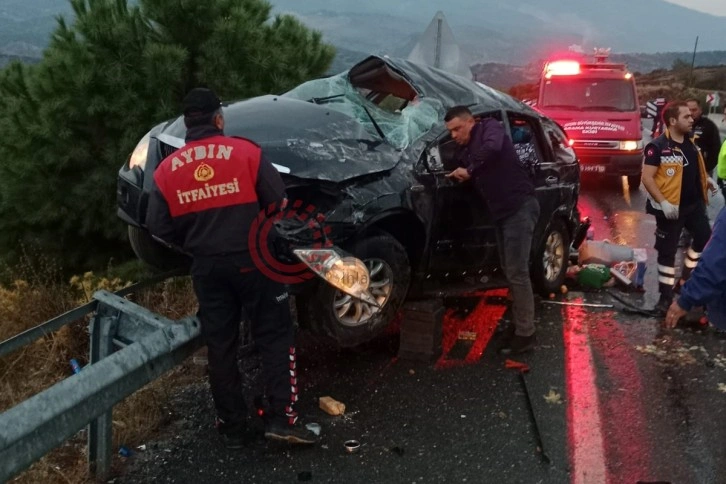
{"points": [[551, 180]]}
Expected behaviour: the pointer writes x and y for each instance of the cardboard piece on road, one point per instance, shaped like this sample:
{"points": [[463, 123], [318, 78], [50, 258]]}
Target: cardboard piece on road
{"points": [[331, 406]]}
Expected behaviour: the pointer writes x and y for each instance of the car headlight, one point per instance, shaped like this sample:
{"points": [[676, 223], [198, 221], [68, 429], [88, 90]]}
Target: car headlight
{"points": [[140, 153], [347, 274], [631, 145]]}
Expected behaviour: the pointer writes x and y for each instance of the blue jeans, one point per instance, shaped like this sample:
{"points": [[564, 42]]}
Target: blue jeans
{"points": [[514, 238]]}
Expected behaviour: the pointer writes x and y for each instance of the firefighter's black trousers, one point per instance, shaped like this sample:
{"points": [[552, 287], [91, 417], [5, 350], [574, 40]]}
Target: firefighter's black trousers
{"points": [[228, 291]]}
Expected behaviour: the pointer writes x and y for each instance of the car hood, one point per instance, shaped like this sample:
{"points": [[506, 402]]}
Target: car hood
{"points": [[302, 139]]}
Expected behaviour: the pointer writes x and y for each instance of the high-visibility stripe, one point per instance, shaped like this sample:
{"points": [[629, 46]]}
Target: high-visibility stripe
{"points": [[689, 263], [667, 270], [666, 280]]}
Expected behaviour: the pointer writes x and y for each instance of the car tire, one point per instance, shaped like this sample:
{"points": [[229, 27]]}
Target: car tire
{"points": [[389, 261], [154, 254], [551, 259], [634, 182]]}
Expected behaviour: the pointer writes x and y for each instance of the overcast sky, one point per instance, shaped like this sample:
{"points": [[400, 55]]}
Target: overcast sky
{"points": [[714, 7]]}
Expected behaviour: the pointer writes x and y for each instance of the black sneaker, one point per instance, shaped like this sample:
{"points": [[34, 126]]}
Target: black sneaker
{"points": [[519, 344], [276, 429]]}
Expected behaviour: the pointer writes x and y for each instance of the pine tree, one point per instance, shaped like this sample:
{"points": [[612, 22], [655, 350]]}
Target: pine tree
{"points": [[70, 122]]}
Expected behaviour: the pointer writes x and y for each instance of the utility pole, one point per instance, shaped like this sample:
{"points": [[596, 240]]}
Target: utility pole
{"points": [[693, 63], [437, 52]]}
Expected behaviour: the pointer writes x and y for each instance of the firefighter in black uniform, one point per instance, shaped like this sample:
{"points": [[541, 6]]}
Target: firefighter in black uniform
{"points": [[205, 198]]}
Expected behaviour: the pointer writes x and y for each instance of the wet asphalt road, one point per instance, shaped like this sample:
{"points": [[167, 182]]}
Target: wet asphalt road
{"points": [[609, 397]]}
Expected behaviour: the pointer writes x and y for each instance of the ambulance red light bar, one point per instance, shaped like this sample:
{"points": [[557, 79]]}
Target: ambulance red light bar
{"points": [[562, 68]]}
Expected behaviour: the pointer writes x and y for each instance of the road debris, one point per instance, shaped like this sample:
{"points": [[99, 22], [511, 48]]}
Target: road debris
{"points": [[553, 398], [516, 365], [313, 427], [582, 305], [722, 387], [671, 352], [331, 406], [351, 446]]}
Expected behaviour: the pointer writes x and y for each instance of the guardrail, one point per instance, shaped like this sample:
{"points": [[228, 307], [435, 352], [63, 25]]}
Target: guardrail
{"points": [[130, 347]]}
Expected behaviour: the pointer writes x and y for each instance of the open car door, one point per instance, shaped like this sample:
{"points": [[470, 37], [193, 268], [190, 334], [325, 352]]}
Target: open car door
{"points": [[463, 240]]}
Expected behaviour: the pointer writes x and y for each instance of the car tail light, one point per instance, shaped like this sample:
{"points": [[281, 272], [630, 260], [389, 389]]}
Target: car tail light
{"points": [[140, 153]]}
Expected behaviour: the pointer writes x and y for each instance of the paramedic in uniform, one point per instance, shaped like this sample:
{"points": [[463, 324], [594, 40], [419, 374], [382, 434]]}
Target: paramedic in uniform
{"points": [[205, 198], [674, 174]]}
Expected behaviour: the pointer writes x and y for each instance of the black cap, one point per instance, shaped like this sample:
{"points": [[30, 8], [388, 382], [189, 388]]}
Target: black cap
{"points": [[200, 101]]}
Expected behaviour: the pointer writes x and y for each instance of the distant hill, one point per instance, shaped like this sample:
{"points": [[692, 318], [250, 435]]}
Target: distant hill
{"points": [[504, 76], [515, 32], [6, 59], [503, 42]]}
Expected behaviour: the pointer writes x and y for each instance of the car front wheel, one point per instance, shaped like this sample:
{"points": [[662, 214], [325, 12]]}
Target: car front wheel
{"points": [[551, 258], [155, 254], [350, 321]]}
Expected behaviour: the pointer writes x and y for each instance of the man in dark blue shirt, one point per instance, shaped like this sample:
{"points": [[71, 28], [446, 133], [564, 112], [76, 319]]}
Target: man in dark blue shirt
{"points": [[489, 158]]}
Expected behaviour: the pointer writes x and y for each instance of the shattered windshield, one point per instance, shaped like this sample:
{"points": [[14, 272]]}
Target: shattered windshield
{"points": [[398, 121]]}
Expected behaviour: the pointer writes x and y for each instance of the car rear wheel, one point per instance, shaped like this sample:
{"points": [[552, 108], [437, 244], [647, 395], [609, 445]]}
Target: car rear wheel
{"points": [[153, 253], [551, 259], [349, 321]]}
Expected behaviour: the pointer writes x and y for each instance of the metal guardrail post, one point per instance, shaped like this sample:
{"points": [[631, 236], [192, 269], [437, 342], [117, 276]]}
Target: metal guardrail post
{"points": [[151, 345], [103, 328]]}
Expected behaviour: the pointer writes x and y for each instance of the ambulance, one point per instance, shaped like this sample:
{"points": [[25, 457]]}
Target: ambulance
{"points": [[597, 105]]}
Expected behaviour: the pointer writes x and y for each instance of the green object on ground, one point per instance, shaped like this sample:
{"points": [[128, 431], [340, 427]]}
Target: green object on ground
{"points": [[593, 275]]}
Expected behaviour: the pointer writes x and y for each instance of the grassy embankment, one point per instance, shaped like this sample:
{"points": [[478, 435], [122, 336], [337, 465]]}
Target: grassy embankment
{"points": [[38, 293]]}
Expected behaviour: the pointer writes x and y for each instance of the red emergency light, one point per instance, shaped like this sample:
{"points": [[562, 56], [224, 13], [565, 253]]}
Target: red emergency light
{"points": [[562, 68]]}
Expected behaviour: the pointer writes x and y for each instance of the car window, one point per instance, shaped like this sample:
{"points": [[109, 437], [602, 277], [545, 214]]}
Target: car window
{"points": [[442, 154], [527, 141], [558, 143]]}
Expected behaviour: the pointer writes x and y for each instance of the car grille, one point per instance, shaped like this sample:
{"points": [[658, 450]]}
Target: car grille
{"points": [[166, 149], [610, 145]]}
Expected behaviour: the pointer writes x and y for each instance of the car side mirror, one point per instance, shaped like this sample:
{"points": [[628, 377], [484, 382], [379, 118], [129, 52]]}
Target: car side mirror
{"points": [[432, 160]]}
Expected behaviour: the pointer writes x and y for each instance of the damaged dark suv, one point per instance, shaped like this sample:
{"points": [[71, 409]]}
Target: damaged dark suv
{"points": [[366, 152]]}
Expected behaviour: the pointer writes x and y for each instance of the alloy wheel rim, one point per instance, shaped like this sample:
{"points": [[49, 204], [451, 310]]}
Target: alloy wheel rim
{"points": [[352, 312], [554, 256]]}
